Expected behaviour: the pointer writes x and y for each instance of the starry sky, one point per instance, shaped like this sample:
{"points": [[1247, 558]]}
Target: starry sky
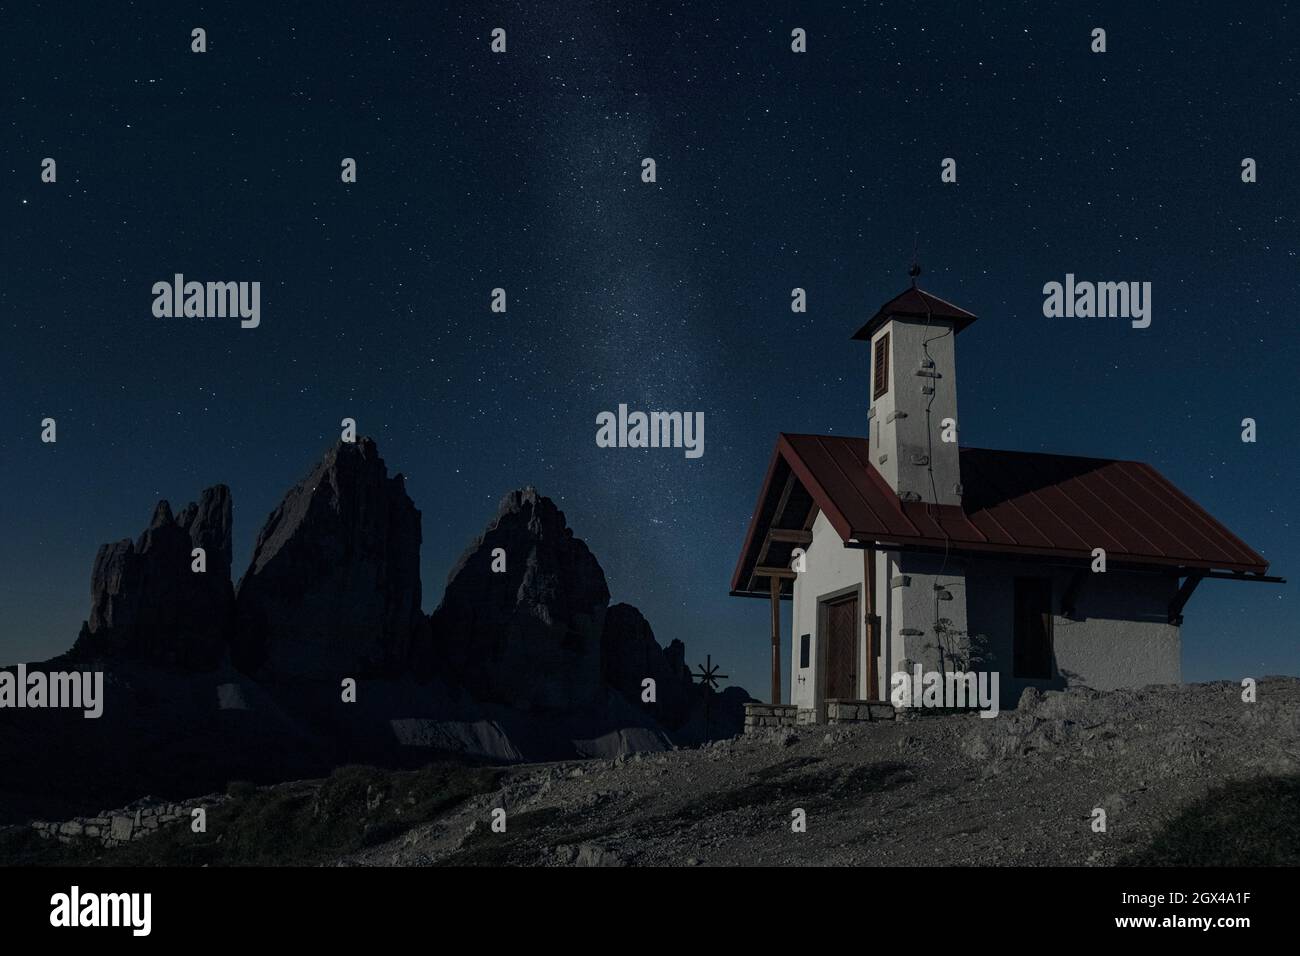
{"points": [[522, 171]]}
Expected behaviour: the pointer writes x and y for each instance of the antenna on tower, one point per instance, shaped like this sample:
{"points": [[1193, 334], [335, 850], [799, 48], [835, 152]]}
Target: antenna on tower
{"points": [[914, 269]]}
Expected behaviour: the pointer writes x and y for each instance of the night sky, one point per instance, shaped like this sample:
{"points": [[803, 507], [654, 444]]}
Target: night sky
{"points": [[775, 170]]}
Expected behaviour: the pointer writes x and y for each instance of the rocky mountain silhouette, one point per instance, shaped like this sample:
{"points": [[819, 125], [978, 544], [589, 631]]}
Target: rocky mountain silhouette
{"points": [[146, 602], [522, 659], [689, 711], [334, 585], [529, 632]]}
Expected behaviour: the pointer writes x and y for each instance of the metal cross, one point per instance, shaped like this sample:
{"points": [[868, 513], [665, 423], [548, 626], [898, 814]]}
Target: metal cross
{"points": [[709, 675], [708, 678]]}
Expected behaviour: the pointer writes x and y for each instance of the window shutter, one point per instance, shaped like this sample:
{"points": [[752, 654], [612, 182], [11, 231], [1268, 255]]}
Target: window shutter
{"points": [[880, 373]]}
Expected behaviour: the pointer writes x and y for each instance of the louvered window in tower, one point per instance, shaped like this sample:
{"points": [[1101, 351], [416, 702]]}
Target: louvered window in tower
{"points": [[880, 371]]}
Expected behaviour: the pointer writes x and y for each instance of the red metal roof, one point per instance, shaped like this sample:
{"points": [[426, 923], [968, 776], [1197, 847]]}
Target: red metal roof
{"points": [[1017, 503]]}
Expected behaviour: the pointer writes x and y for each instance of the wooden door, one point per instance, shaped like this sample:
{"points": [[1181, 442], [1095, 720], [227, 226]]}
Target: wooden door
{"points": [[842, 650]]}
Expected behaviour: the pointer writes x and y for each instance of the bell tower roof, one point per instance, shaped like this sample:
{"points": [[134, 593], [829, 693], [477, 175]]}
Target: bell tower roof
{"points": [[912, 304]]}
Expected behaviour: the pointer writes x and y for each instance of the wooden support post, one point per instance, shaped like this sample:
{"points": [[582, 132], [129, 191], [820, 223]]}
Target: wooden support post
{"points": [[872, 621], [1180, 599], [776, 638]]}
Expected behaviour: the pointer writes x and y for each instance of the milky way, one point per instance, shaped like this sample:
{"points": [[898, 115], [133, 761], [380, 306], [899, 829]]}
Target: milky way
{"points": [[522, 171]]}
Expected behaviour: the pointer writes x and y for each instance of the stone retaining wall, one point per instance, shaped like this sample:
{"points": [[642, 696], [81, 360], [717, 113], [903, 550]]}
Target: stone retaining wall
{"points": [[758, 716], [115, 827], [857, 711]]}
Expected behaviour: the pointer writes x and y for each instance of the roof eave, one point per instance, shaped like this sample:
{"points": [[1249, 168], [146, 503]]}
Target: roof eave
{"points": [[873, 325], [867, 539]]}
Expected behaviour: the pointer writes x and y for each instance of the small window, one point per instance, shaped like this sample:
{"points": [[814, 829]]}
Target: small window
{"points": [[805, 642], [880, 368], [1033, 628]]}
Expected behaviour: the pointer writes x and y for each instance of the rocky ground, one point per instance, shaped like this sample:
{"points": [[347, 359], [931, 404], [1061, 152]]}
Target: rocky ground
{"points": [[1185, 775], [1019, 789]]}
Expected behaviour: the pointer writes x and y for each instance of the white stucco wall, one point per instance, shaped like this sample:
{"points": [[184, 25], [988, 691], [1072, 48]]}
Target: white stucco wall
{"points": [[917, 610], [1119, 636], [898, 418], [831, 570]]}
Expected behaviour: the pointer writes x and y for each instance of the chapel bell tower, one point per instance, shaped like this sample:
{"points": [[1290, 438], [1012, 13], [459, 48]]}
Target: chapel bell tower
{"points": [[913, 390]]}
